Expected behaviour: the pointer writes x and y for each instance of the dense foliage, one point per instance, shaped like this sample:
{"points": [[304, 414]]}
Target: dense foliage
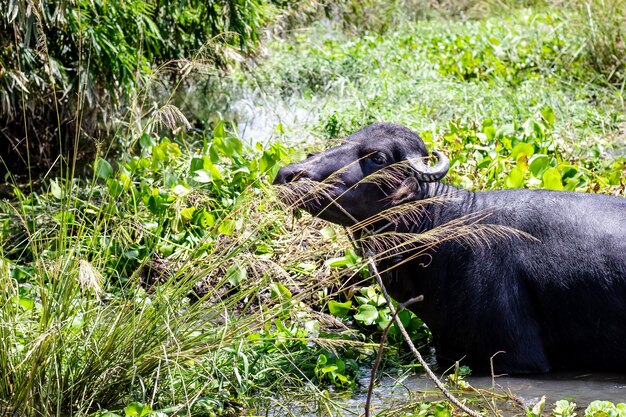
{"points": [[71, 69], [168, 281]]}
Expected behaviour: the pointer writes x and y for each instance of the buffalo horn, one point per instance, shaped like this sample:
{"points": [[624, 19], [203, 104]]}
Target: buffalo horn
{"points": [[426, 173]]}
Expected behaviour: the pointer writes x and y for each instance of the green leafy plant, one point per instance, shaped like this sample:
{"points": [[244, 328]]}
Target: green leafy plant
{"points": [[605, 409], [564, 408], [331, 368]]}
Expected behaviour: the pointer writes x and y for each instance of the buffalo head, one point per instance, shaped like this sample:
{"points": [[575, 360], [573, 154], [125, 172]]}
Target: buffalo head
{"points": [[339, 184]]}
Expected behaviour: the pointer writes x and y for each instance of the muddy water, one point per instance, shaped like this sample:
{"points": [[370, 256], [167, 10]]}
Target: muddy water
{"points": [[528, 390], [580, 388]]}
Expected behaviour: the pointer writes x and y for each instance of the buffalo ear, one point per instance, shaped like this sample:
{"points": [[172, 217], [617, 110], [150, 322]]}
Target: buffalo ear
{"points": [[407, 191]]}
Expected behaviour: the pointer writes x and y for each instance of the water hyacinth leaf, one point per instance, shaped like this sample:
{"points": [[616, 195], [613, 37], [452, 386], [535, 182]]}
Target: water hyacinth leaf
{"points": [[552, 179], [366, 314], [515, 179], [137, 409], [361, 300], [103, 169], [523, 148], [538, 165], [384, 318], [339, 309]]}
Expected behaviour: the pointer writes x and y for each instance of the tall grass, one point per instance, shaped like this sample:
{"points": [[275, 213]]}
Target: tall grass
{"points": [[74, 342]]}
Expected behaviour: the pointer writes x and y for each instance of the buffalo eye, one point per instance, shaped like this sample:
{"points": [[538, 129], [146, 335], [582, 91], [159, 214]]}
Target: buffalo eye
{"points": [[377, 159]]}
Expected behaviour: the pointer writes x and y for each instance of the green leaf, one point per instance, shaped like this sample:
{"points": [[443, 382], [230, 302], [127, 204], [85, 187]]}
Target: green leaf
{"points": [[279, 291], [107, 413], [535, 410], [26, 303], [515, 179], [564, 408], [137, 409], [187, 213], [338, 262], [522, 148], [339, 309], [538, 165], [202, 176], [328, 233], [115, 187], [322, 360], [366, 314], [219, 131], [103, 169], [180, 190], [548, 115], [56, 190], [442, 411], [552, 179], [227, 227], [236, 274]]}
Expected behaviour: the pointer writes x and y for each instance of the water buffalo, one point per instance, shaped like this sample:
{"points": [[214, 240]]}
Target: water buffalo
{"points": [[548, 293]]}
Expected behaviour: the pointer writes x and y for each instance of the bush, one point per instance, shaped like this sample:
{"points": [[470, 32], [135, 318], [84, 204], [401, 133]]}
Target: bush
{"points": [[68, 69]]}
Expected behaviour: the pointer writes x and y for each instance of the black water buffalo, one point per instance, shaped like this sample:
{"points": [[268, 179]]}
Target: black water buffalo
{"points": [[551, 295]]}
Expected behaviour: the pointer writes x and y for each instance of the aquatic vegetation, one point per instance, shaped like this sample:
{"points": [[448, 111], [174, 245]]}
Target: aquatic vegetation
{"points": [[168, 280]]}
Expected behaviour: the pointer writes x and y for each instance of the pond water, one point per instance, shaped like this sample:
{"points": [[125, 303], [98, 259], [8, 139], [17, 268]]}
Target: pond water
{"points": [[527, 390], [262, 120], [580, 388]]}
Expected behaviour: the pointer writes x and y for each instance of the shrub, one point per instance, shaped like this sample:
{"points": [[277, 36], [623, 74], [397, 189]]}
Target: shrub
{"points": [[70, 68]]}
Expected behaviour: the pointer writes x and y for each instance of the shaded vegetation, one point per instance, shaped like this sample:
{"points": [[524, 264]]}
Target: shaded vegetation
{"points": [[75, 70]]}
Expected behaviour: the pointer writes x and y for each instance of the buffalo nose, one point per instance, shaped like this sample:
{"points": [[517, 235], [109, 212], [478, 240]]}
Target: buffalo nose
{"points": [[289, 174]]}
